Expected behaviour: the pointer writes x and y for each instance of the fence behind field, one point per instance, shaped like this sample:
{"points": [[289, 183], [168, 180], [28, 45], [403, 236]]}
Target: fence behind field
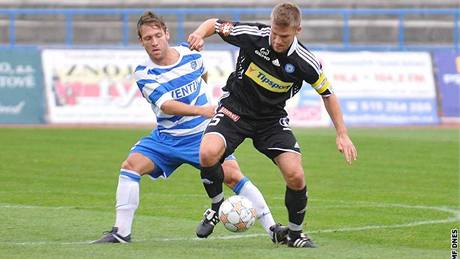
{"points": [[339, 29]]}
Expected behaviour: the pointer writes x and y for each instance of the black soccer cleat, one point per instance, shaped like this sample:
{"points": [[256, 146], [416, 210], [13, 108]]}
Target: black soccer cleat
{"points": [[112, 237], [280, 233], [303, 241], [206, 226]]}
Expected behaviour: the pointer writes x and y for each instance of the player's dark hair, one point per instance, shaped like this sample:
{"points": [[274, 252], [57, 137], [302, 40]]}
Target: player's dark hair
{"points": [[149, 18], [286, 15]]}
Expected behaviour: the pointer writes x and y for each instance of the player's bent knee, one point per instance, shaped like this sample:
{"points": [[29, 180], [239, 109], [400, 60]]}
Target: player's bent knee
{"points": [[127, 165], [138, 163], [211, 150], [295, 181], [209, 156], [232, 178], [232, 173]]}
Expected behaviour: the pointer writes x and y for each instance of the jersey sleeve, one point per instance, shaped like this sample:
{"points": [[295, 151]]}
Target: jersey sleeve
{"points": [[150, 88], [322, 85], [241, 34], [313, 73]]}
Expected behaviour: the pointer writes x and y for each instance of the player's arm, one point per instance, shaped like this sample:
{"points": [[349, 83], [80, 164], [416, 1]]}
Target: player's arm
{"points": [[177, 108], [238, 34], [196, 38], [343, 141], [149, 89], [174, 107], [314, 75]]}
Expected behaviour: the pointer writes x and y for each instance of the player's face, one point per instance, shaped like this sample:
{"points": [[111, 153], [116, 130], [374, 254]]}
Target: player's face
{"points": [[282, 37], [155, 41]]}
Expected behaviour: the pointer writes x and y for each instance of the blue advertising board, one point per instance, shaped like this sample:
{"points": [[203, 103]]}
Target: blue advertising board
{"points": [[389, 111], [21, 86], [447, 64]]}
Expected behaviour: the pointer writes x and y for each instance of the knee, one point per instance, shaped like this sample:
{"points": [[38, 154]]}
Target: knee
{"points": [[209, 156], [138, 163], [232, 175], [212, 149], [127, 165], [295, 180], [130, 165]]}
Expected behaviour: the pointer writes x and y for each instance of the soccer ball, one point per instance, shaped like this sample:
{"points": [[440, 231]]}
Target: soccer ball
{"points": [[237, 213]]}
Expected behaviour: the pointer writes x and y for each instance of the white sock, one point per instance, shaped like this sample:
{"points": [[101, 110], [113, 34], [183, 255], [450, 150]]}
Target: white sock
{"points": [[127, 200], [245, 188]]}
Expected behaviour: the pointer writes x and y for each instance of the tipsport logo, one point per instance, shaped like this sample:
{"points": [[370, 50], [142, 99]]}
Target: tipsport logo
{"points": [[267, 81]]}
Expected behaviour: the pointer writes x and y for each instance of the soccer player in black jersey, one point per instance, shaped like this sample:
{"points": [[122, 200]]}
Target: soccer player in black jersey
{"points": [[271, 68]]}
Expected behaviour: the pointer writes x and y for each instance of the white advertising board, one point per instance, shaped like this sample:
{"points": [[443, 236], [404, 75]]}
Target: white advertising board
{"points": [[96, 86], [383, 88], [374, 88]]}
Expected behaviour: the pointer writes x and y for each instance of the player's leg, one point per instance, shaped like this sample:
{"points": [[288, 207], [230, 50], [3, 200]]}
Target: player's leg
{"points": [[222, 135], [296, 197], [135, 166], [278, 143], [220, 139], [212, 177], [212, 149], [241, 185], [127, 197]]}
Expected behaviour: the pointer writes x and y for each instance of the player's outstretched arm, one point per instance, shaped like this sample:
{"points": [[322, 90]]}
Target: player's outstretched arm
{"points": [[343, 141], [177, 108], [196, 38]]}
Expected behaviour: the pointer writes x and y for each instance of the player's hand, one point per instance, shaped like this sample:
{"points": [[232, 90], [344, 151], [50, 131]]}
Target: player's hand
{"points": [[209, 111], [195, 41], [346, 147]]}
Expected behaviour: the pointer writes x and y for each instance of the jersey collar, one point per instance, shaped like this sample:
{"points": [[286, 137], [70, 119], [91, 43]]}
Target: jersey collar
{"points": [[293, 47]]}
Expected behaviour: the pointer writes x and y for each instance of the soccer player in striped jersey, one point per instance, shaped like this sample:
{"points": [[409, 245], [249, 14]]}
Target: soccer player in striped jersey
{"points": [[271, 68], [172, 80]]}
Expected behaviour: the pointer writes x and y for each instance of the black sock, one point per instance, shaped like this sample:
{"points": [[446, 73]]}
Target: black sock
{"points": [[296, 204], [215, 206], [213, 178]]}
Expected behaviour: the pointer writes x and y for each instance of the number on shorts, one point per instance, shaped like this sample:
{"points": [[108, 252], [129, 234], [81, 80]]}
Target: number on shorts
{"points": [[216, 119]]}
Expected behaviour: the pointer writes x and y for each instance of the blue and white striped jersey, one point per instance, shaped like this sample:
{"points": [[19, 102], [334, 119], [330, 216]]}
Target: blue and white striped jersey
{"points": [[182, 82]]}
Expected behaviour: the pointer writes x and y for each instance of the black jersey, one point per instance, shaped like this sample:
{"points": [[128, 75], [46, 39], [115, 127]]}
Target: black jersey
{"points": [[263, 79]]}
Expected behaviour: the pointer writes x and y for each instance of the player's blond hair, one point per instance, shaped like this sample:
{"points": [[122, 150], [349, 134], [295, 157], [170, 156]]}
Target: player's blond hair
{"points": [[149, 18], [286, 15]]}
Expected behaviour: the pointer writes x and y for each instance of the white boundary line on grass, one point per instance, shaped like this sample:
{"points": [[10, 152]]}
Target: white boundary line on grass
{"points": [[15, 206], [455, 216]]}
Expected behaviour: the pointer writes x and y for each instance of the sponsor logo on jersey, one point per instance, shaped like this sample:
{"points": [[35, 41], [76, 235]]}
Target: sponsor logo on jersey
{"points": [[276, 62], [289, 68], [266, 80], [185, 90], [263, 53], [229, 114], [226, 28]]}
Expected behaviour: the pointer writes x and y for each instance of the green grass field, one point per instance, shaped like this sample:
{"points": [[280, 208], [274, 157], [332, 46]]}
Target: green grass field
{"points": [[399, 200]]}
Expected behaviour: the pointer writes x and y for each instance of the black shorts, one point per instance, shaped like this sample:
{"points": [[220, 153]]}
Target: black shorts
{"points": [[271, 137]]}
